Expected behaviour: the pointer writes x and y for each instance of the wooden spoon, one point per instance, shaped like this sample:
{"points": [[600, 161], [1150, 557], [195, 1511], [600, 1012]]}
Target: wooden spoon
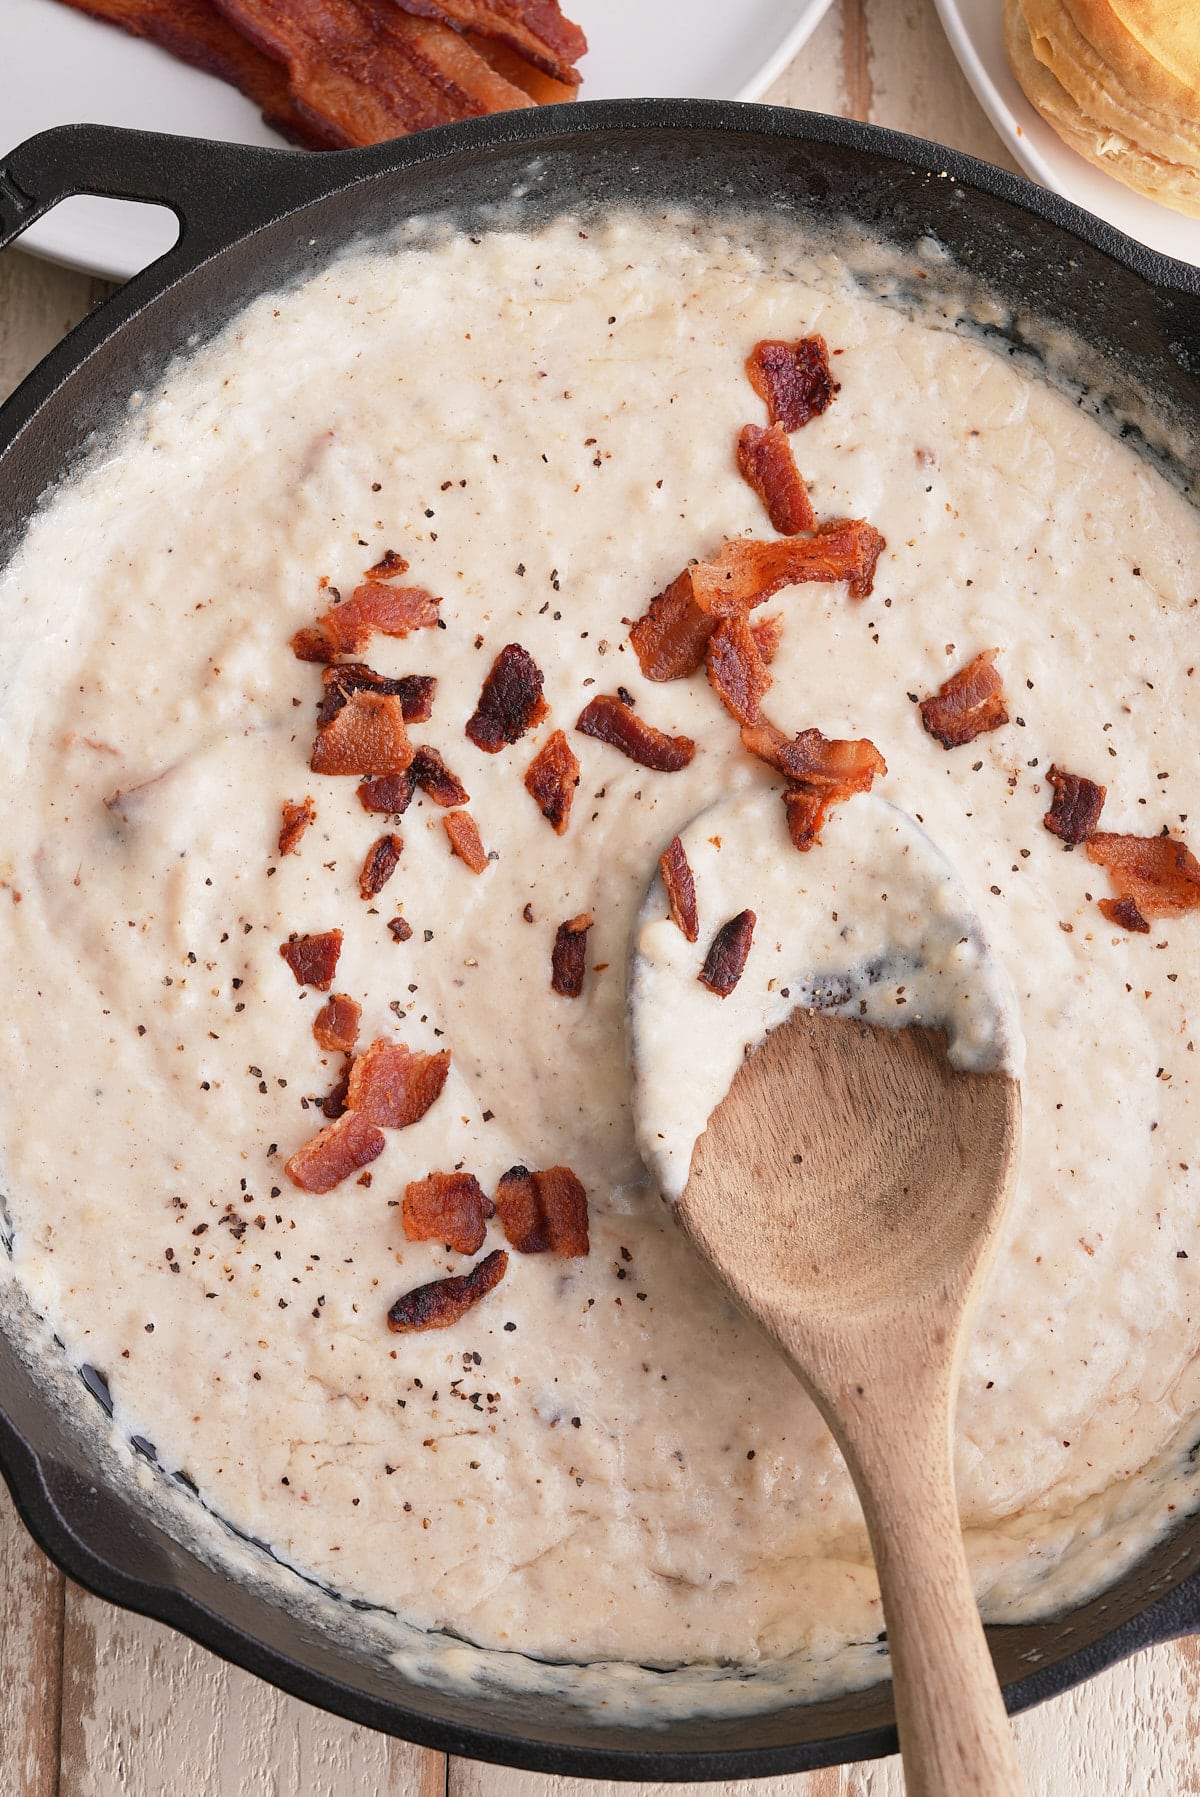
{"points": [[849, 1189]]}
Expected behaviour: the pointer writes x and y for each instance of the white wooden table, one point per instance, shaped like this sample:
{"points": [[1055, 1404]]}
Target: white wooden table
{"points": [[98, 1703]]}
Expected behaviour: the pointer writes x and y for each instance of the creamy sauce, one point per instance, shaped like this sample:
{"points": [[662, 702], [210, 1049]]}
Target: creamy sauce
{"points": [[603, 1462]]}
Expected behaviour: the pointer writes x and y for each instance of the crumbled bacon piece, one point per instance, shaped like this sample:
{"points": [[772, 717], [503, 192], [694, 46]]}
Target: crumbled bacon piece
{"points": [[414, 691], [390, 566], [313, 959], [737, 672], [680, 888], [544, 1212], [373, 607], [367, 736], [447, 1207], [568, 958], [340, 1149], [400, 928], [968, 704], [393, 1086], [726, 958], [296, 819], [334, 1102], [551, 779], [611, 721], [836, 765], [510, 702], [746, 570], [465, 842], [807, 808], [1158, 876], [766, 463], [768, 634], [444, 1301], [670, 638], [1077, 805], [383, 858], [434, 777], [792, 379], [391, 792], [335, 1025]]}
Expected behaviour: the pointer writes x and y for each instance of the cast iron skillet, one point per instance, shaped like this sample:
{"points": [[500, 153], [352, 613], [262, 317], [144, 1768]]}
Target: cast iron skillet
{"points": [[254, 219]]}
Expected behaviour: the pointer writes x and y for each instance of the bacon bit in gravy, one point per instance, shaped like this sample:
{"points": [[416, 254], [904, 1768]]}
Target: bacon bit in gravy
{"points": [[511, 701], [393, 1086], [367, 736], [414, 691], [544, 1212], [766, 463], [391, 793], [313, 959], [390, 566], [1125, 914], [836, 766], [768, 634], [296, 819], [726, 958], [737, 672], [670, 638], [335, 1025], [340, 1149], [551, 779], [447, 1207], [792, 379], [680, 888], [968, 704], [610, 721], [465, 842], [1077, 804], [745, 571], [568, 959], [401, 929], [807, 808], [1155, 876], [371, 608], [444, 1301], [434, 777], [383, 858], [334, 1102]]}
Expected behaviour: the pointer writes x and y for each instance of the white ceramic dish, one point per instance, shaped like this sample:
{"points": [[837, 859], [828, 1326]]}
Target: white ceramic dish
{"points": [[57, 67], [976, 35]]}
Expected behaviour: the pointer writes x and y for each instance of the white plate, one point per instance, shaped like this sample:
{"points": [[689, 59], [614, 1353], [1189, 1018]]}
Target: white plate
{"points": [[57, 67], [976, 34]]}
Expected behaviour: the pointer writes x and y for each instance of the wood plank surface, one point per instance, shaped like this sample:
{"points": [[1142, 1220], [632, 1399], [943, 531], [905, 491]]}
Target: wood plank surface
{"points": [[96, 1703]]}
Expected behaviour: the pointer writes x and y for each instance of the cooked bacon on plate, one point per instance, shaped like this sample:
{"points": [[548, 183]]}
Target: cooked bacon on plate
{"points": [[447, 1207], [766, 463], [611, 721], [568, 958], [414, 691], [465, 842], [383, 858], [968, 704], [432, 775], [1155, 876], [792, 379], [393, 1086], [1076, 808], [296, 819], [544, 1212], [551, 779], [511, 701], [335, 1025], [726, 959], [313, 959], [444, 1301], [391, 793], [536, 29], [680, 888], [340, 1149], [373, 608], [367, 736], [737, 672]]}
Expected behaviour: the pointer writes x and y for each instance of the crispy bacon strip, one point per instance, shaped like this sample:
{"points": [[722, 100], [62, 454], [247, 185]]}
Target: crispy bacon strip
{"points": [[737, 672], [447, 1207], [551, 779], [768, 634], [745, 571], [296, 819], [340, 1149], [766, 463], [335, 1025], [968, 704], [391, 792], [835, 765], [544, 1212], [367, 736], [463, 832], [1077, 805], [1155, 876], [414, 691], [511, 701], [383, 858], [390, 566], [726, 958], [444, 1301], [545, 89], [680, 888], [313, 959], [433, 777], [534, 28], [610, 720], [373, 608], [670, 638], [394, 1087], [792, 379], [568, 958]]}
